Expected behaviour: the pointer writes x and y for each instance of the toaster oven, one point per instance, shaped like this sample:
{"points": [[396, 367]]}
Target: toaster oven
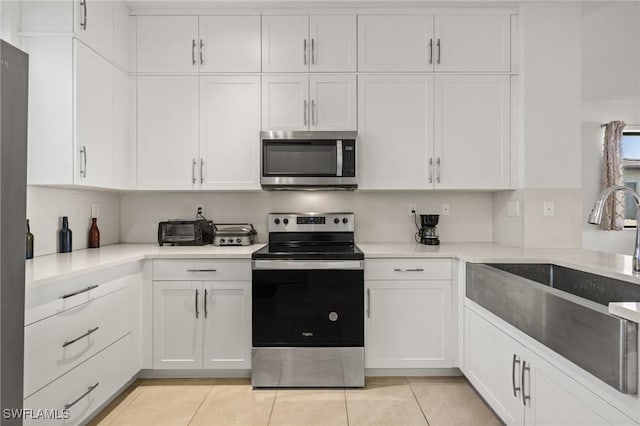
{"points": [[185, 232]]}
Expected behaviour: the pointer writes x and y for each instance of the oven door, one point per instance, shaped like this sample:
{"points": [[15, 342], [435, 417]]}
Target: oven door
{"points": [[298, 307]]}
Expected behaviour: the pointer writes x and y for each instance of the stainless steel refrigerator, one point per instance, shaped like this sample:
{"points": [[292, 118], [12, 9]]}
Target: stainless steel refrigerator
{"points": [[14, 68]]}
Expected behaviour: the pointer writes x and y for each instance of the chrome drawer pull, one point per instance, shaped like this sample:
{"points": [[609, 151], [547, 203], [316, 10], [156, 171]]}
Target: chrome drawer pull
{"points": [[89, 390], [524, 396], [368, 303], [202, 270], [197, 311], [75, 293], [88, 333], [513, 375], [409, 270], [205, 303]]}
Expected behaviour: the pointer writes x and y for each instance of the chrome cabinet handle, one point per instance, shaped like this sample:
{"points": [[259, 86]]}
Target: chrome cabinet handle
{"points": [[201, 54], [430, 170], [430, 51], [89, 390], [524, 396], [197, 311], [84, 290], [193, 52], [313, 112], [368, 303], [83, 22], [202, 270], [438, 52], [438, 170], [201, 170], [409, 270], [515, 361], [83, 167], [304, 112], [88, 333], [313, 51], [193, 171], [205, 303], [304, 52]]}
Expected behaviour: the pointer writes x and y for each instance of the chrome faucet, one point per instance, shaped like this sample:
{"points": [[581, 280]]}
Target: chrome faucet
{"points": [[595, 217]]}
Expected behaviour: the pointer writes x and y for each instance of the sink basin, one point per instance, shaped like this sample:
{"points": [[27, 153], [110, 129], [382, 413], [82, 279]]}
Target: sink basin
{"points": [[566, 310]]}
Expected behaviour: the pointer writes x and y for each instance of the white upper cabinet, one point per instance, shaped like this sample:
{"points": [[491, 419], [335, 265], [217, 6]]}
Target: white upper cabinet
{"points": [[472, 133], [124, 130], [333, 43], [285, 43], [167, 132], [229, 132], [472, 42], [333, 103], [124, 37], [93, 24], [167, 44], [476, 42], [229, 44], [395, 131], [285, 102], [302, 43], [395, 42]]}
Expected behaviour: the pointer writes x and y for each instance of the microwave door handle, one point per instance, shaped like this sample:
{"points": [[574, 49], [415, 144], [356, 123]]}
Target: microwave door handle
{"points": [[339, 158]]}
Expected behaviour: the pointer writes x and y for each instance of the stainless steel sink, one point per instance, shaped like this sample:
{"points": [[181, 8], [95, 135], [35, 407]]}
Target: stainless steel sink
{"points": [[566, 310]]}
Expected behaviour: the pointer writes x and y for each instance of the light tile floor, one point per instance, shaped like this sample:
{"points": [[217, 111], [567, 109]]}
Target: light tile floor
{"points": [[389, 401]]}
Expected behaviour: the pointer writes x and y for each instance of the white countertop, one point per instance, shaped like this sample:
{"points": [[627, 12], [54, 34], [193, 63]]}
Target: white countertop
{"points": [[628, 310]]}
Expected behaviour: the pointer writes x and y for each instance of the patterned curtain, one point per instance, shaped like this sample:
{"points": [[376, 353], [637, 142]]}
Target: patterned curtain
{"points": [[613, 217]]}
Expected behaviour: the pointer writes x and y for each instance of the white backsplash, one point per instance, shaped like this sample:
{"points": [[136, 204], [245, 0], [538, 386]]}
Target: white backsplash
{"points": [[380, 216], [45, 207]]}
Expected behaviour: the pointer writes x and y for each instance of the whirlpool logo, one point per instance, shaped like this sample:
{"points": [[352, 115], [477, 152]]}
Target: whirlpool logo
{"points": [[307, 334]]}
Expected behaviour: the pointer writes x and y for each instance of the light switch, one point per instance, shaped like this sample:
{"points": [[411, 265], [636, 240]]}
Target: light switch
{"points": [[549, 208], [513, 208]]}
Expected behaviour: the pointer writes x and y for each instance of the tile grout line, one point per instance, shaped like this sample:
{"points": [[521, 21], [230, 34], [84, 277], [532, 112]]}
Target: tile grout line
{"points": [[201, 402], [124, 408], [417, 402], [272, 405], [346, 406]]}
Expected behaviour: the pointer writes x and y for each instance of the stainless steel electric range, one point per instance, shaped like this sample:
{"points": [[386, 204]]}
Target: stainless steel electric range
{"points": [[308, 303]]}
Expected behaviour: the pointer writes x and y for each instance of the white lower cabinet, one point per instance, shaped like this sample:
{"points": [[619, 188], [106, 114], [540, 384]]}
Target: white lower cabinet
{"points": [[201, 323], [524, 389], [408, 313]]}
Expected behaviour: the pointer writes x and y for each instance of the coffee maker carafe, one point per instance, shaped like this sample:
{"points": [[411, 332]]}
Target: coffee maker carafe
{"points": [[428, 231]]}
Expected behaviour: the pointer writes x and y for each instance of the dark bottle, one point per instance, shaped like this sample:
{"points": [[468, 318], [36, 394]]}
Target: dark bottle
{"points": [[94, 234], [29, 242], [64, 237]]}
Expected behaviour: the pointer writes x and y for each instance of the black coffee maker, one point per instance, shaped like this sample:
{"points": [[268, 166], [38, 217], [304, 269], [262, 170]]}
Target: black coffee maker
{"points": [[428, 231]]}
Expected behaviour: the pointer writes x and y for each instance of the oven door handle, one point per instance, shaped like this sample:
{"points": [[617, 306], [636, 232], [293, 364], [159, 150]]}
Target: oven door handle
{"points": [[307, 264]]}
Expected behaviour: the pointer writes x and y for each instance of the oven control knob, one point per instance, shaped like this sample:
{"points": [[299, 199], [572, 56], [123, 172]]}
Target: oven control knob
{"points": [[285, 221], [277, 221], [238, 240], [336, 221], [222, 240], [333, 316], [345, 220]]}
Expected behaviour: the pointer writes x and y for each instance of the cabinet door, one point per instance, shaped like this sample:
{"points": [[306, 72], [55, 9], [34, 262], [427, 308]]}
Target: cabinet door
{"points": [[333, 102], [93, 118], [333, 43], [167, 132], [167, 44], [227, 324], [472, 42], [493, 363], [395, 43], [124, 155], [285, 43], [472, 139], [229, 132], [93, 24], [395, 311], [124, 41], [177, 324], [285, 102], [395, 131], [230, 44]]}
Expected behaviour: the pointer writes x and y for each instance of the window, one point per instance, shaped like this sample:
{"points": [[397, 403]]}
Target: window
{"points": [[631, 172]]}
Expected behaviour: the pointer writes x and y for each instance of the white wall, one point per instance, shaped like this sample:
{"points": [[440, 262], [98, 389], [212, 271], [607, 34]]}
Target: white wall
{"points": [[380, 216], [46, 206], [10, 15], [610, 91]]}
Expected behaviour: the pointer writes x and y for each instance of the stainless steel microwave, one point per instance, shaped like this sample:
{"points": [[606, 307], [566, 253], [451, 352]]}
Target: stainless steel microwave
{"points": [[308, 160]]}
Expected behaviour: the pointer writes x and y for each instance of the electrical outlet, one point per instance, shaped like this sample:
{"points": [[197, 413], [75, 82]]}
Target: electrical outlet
{"points": [[446, 209], [513, 208], [200, 210], [413, 209], [95, 210], [549, 208]]}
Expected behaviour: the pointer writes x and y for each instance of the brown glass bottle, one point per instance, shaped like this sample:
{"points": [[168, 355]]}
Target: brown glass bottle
{"points": [[94, 234]]}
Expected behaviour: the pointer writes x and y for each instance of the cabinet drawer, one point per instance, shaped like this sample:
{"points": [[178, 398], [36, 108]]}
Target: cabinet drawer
{"points": [[109, 369], [201, 270], [407, 269], [56, 344]]}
